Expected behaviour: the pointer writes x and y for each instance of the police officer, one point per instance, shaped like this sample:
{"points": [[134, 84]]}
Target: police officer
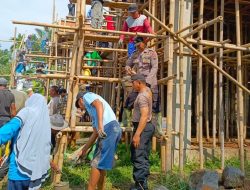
{"points": [[7, 103], [145, 62], [142, 132]]}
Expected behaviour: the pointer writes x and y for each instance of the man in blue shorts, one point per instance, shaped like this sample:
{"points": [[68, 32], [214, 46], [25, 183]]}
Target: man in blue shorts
{"points": [[106, 130]]}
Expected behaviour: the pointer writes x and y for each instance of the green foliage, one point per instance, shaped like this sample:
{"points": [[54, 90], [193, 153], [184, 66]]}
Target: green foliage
{"points": [[5, 64]]}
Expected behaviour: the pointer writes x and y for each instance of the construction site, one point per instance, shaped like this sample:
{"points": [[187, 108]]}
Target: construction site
{"points": [[203, 54]]}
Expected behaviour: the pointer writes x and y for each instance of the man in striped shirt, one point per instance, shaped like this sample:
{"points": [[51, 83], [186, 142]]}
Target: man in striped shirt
{"points": [[136, 22]]}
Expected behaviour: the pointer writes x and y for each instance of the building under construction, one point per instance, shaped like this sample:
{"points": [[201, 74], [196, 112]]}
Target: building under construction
{"points": [[203, 72]]}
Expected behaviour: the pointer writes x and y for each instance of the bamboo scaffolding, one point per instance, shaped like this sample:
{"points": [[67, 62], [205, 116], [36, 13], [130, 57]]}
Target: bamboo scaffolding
{"points": [[200, 54], [240, 114], [221, 107], [205, 25], [200, 90]]}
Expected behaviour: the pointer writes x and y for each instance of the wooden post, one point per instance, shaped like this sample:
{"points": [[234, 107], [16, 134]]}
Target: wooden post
{"points": [[215, 79], [181, 94], [200, 90], [170, 52], [240, 114], [221, 106]]}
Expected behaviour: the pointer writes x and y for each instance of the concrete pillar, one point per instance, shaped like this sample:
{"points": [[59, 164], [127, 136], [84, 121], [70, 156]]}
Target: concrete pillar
{"points": [[187, 61]]}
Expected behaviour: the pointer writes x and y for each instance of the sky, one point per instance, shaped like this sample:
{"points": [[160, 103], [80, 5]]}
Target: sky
{"points": [[27, 10]]}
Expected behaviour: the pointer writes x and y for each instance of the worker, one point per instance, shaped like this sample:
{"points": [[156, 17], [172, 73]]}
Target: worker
{"points": [[71, 7], [29, 133], [29, 44], [146, 62], [7, 103], [53, 105], [136, 22], [142, 132], [107, 129]]}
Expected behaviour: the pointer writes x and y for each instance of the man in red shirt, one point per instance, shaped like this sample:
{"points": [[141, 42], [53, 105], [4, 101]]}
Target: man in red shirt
{"points": [[136, 22]]}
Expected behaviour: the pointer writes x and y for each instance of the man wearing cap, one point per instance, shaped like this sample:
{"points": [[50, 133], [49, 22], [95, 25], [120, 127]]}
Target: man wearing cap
{"points": [[7, 103], [104, 118], [142, 132], [145, 60], [134, 23]]}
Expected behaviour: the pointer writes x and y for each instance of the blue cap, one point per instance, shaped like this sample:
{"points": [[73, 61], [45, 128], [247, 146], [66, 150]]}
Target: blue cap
{"points": [[132, 8]]}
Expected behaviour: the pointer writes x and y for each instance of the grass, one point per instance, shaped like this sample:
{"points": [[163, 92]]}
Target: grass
{"points": [[121, 176]]}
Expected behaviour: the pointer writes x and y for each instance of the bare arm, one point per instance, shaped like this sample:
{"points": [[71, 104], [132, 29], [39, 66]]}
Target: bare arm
{"points": [[99, 110], [142, 124], [13, 110]]}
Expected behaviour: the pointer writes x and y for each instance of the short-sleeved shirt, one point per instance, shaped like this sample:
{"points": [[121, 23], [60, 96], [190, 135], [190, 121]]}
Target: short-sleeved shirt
{"points": [[146, 64], [54, 105], [6, 99], [108, 114], [144, 99]]}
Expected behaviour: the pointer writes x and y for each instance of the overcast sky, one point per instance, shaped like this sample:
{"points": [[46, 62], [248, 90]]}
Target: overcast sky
{"points": [[27, 10]]}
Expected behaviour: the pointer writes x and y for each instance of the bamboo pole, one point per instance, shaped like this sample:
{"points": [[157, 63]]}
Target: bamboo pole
{"points": [[205, 25], [72, 72], [126, 33], [215, 87], [61, 150], [44, 24], [207, 96], [200, 90], [187, 27], [13, 65], [199, 54], [227, 106], [216, 44], [106, 49], [153, 9], [118, 106], [169, 86], [181, 95], [240, 114], [47, 56], [221, 106], [163, 19]]}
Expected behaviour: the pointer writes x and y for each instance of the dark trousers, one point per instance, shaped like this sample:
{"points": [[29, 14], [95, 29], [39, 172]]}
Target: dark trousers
{"points": [[18, 185], [140, 155]]}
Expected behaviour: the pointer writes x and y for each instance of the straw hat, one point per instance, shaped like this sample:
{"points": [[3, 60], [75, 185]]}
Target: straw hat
{"points": [[57, 122]]}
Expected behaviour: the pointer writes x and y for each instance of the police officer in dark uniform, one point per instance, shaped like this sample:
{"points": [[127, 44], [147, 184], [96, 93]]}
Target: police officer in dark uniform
{"points": [[7, 103]]}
